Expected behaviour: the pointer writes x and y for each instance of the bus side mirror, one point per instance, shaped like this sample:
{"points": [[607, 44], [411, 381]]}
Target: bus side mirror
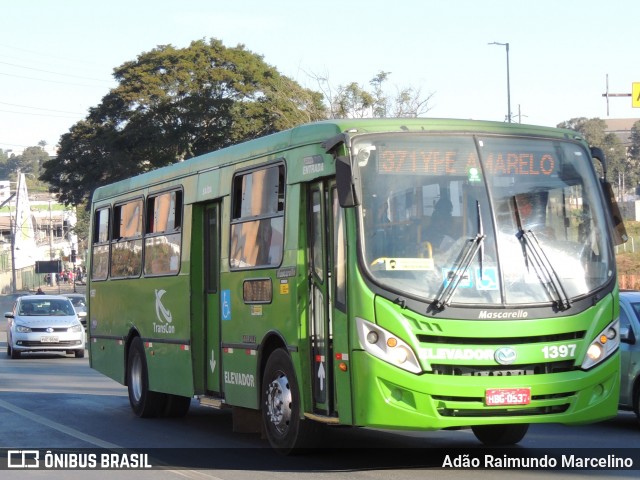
{"points": [[347, 173], [346, 181], [619, 231]]}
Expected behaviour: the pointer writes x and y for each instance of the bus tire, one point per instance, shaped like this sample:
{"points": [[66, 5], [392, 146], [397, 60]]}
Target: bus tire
{"points": [[144, 402], [496, 435], [280, 401]]}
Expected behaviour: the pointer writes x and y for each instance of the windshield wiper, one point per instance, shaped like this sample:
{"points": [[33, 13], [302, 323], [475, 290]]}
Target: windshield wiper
{"points": [[548, 276], [468, 253]]}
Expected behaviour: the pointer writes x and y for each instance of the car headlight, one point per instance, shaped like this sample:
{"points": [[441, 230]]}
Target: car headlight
{"points": [[22, 329], [386, 346], [76, 328], [605, 343]]}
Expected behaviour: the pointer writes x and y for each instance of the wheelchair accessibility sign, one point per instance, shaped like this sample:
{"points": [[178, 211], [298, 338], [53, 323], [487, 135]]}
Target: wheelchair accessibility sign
{"points": [[487, 278], [225, 304]]}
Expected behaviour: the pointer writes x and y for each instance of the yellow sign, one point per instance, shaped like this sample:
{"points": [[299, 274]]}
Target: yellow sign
{"points": [[635, 95]]}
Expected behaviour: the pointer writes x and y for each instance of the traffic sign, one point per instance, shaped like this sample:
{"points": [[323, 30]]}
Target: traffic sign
{"points": [[635, 94]]}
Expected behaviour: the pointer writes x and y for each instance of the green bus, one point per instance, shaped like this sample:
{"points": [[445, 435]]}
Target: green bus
{"points": [[391, 273]]}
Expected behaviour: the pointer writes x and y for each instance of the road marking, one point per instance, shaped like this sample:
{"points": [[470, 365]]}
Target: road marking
{"points": [[193, 474], [57, 426]]}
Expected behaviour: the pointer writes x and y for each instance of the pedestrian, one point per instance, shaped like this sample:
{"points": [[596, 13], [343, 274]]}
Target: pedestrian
{"points": [[39, 292]]}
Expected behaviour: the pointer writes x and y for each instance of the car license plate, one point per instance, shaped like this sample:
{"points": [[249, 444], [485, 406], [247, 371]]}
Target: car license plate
{"points": [[48, 339], [507, 396]]}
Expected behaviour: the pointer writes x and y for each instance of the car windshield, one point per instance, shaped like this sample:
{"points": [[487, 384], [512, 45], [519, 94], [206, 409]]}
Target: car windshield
{"points": [[481, 219], [45, 307], [77, 301]]}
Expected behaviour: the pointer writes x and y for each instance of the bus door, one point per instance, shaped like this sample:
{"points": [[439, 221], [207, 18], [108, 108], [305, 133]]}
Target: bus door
{"points": [[212, 307], [320, 279]]}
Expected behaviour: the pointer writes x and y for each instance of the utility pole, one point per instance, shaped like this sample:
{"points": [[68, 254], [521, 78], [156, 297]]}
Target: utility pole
{"points": [[606, 94], [508, 80], [14, 227]]}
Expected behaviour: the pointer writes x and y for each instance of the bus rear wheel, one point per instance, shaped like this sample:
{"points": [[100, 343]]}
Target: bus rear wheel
{"points": [[280, 400], [500, 434], [144, 402]]}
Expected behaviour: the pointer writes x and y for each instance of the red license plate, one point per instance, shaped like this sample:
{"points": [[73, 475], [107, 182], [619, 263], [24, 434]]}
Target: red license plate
{"points": [[507, 396]]}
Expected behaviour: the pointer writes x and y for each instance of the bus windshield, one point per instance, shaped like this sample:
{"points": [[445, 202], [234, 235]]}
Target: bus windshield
{"points": [[481, 219]]}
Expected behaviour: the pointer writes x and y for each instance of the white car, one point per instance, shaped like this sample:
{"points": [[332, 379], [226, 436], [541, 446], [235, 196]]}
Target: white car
{"points": [[41, 323]]}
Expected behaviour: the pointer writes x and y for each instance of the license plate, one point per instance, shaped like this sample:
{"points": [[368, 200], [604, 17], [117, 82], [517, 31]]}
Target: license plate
{"points": [[48, 339], [507, 396]]}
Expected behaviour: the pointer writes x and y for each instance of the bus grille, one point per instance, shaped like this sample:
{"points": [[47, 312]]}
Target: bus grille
{"points": [[450, 406], [502, 371], [559, 337], [503, 412]]}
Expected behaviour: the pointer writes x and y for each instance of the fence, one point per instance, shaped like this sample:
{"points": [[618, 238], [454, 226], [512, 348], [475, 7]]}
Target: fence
{"points": [[629, 282], [629, 246]]}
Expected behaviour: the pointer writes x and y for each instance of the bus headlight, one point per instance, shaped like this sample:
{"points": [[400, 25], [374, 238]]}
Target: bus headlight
{"points": [[387, 347], [603, 346]]}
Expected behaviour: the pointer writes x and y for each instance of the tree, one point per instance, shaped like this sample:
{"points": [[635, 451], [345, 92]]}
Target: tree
{"points": [[173, 104], [355, 101], [634, 149], [4, 164], [594, 131]]}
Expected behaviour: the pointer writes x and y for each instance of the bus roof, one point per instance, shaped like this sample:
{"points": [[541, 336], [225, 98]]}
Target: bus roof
{"points": [[313, 133]]}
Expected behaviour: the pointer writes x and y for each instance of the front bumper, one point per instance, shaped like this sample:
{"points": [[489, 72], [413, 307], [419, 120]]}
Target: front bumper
{"points": [[388, 397], [39, 342]]}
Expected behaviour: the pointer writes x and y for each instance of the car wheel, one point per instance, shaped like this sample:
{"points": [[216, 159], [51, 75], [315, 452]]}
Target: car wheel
{"points": [[500, 434], [15, 354], [280, 401], [144, 402], [79, 353]]}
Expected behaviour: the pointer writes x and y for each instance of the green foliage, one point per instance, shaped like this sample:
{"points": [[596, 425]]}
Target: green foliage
{"points": [[594, 132], [355, 101], [634, 148], [173, 104]]}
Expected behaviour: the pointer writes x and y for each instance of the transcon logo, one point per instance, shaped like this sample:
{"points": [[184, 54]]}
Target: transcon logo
{"points": [[503, 315], [164, 316]]}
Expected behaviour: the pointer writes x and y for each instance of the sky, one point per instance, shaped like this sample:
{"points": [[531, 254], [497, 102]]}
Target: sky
{"points": [[57, 57]]}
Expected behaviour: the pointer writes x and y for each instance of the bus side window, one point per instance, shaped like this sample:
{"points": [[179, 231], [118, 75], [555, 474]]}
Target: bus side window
{"points": [[100, 247], [126, 242], [163, 241], [257, 224]]}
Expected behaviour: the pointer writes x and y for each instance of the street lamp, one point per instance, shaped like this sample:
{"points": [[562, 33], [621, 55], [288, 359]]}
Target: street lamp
{"points": [[508, 83]]}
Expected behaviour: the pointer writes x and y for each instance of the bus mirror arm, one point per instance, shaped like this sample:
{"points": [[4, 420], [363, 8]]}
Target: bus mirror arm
{"points": [[597, 152]]}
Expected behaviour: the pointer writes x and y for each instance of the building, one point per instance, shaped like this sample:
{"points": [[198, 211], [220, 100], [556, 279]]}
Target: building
{"points": [[622, 128], [33, 228]]}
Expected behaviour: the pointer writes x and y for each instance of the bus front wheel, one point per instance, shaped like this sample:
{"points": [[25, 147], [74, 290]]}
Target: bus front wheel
{"points": [[280, 400], [144, 402], [500, 434]]}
